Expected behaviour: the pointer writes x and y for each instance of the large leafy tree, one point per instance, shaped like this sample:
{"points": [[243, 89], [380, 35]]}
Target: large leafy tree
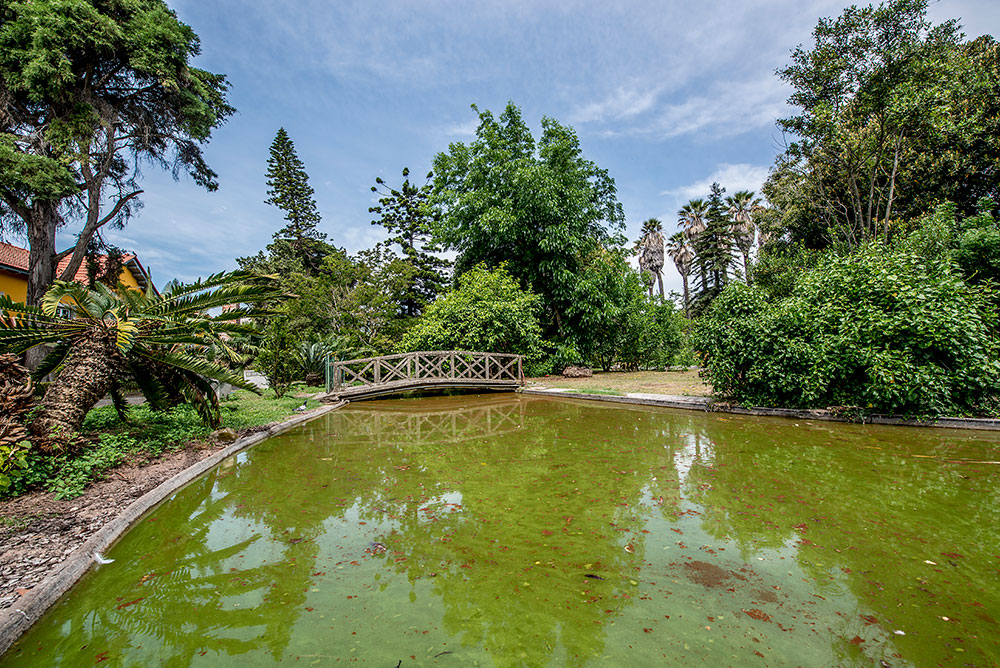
{"points": [[407, 215], [288, 189], [889, 104], [90, 89], [540, 207], [159, 342], [487, 311]]}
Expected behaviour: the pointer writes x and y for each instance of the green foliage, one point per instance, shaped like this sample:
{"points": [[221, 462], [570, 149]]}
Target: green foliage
{"points": [[92, 90], [288, 189], [779, 266], [148, 433], [714, 250], [158, 342], [895, 115], [542, 209], [13, 461], [407, 214], [277, 355], [616, 321], [487, 312], [887, 331]]}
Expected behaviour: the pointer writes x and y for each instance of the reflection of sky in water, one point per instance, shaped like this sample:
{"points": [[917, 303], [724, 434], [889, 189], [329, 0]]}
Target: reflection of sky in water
{"points": [[538, 532]]}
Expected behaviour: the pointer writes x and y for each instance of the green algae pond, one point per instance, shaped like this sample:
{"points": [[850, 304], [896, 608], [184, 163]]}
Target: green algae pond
{"points": [[511, 530]]}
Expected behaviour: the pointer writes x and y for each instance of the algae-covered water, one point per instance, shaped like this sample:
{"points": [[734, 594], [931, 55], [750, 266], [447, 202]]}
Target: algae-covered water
{"points": [[527, 531]]}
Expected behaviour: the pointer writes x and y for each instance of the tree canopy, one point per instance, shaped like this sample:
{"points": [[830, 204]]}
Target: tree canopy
{"points": [[288, 189], [91, 89], [540, 207]]}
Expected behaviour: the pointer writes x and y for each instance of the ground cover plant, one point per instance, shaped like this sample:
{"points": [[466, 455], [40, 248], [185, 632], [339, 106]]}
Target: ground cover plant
{"points": [[108, 441]]}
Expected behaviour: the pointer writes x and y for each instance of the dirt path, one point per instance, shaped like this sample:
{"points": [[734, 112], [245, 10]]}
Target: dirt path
{"points": [[37, 532], [683, 383]]}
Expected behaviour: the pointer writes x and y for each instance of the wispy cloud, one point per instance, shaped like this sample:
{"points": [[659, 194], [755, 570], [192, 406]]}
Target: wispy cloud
{"points": [[625, 102], [735, 177]]}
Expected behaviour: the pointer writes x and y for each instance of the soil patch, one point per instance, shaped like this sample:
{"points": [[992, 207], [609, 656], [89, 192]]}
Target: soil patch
{"points": [[37, 532], [684, 383]]}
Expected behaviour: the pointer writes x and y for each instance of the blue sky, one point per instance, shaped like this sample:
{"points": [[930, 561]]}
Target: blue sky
{"points": [[667, 96]]}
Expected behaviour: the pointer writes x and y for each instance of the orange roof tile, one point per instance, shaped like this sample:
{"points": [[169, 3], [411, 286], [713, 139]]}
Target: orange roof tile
{"points": [[16, 258]]}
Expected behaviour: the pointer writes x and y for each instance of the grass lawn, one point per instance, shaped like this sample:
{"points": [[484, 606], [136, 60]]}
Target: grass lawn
{"points": [[110, 442], [684, 383]]}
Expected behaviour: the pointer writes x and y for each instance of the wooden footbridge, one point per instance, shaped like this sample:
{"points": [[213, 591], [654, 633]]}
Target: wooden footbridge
{"points": [[390, 374]]}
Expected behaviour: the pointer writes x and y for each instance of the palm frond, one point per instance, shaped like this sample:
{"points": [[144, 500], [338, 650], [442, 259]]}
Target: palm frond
{"points": [[63, 290], [150, 386], [52, 361], [202, 367]]}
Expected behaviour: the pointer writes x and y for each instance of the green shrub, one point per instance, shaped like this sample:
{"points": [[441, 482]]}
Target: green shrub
{"points": [[616, 322], [887, 331], [488, 312]]}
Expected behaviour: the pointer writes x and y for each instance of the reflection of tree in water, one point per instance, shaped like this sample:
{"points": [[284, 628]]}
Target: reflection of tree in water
{"points": [[508, 530], [869, 507], [176, 609]]}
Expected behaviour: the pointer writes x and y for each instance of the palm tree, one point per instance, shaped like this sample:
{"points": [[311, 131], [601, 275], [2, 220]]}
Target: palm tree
{"points": [[743, 206], [680, 252], [123, 336], [651, 253], [691, 218]]}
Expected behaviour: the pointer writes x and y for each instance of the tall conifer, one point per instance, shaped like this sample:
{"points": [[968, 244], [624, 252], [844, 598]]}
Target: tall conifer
{"points": [[288, 189]]}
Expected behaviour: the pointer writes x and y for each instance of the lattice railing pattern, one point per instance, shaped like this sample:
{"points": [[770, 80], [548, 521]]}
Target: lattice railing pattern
{"points": [[458, 365], [448, 426]]}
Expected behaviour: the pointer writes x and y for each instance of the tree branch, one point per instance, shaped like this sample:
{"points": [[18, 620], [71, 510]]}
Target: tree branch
{"points": [[80, 249]]}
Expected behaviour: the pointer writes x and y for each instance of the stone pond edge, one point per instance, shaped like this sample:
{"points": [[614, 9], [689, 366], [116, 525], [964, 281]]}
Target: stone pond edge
{"points": [[19, 617], [708, 404]]}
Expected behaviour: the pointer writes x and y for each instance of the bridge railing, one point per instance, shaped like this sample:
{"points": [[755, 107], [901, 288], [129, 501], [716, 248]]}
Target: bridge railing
{"points": [[457, 365]]}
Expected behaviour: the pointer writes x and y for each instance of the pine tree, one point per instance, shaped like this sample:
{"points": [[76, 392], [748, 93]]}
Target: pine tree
{"points": [[288, 189], [406, 213], [713, 248]]}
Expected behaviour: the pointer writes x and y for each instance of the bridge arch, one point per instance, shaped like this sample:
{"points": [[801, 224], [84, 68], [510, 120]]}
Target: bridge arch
{"points": [[388, 374]]}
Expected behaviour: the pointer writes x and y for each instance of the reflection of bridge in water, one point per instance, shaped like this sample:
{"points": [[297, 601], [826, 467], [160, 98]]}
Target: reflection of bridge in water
{"points": [[390, 374], [450, 421]]}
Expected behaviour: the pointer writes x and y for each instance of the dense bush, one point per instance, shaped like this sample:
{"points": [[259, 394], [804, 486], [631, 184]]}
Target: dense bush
{"points": [[616, 322], [487, 312], [884, 330]]}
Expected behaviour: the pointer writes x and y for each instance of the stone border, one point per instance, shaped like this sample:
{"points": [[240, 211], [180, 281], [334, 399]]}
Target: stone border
{"points": [[708, 404], [19, 617]]}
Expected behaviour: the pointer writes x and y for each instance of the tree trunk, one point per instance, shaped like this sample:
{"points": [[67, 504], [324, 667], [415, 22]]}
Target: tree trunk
{"points": [[90, 369], [659, 278], [41, 268], [687, 313]]}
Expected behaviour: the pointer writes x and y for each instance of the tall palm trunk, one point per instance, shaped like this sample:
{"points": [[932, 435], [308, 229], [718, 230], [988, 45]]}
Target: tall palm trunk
{"points": [[687, 301], [659, 279], [88, 373]]}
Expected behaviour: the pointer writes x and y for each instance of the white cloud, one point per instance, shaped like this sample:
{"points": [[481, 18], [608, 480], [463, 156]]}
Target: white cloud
{"points": [[620, 104], [467, 129], [732, 177]]}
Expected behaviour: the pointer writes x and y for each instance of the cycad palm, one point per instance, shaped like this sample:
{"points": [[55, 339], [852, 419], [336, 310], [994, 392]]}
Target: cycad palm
{"points": [[743, 207], [651, 252], [125, 336], [680, 252]]}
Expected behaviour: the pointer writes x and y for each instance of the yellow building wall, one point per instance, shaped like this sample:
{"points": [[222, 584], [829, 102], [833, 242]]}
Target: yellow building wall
{"points": [[16, 285]]}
